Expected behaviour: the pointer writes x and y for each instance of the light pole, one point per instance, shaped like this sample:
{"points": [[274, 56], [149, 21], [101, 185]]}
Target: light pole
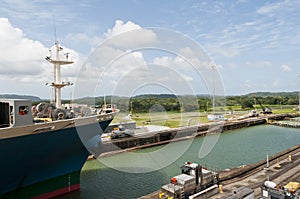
{"points": [[213, 67], [299, 101], [298, 97]]}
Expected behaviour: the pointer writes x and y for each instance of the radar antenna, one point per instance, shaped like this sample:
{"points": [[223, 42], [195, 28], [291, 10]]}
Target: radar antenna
{"points": [[54, 28]]}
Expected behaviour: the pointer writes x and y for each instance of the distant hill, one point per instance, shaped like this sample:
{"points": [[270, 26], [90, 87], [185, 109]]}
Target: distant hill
{"points": [[172, 96], [14, 96], [91, 100], [272, 94], [258, 94], [158, 96]]}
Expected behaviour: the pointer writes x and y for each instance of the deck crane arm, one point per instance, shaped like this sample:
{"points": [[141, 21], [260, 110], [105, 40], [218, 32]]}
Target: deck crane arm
{"points": [[265, 110]]}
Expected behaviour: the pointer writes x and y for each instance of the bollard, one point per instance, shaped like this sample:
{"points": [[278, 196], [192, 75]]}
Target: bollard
{"points": [[221, 188], [161, 195], [290, 158]]}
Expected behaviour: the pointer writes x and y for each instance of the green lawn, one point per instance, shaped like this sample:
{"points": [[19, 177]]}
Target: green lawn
{"points": [[177, 119]]}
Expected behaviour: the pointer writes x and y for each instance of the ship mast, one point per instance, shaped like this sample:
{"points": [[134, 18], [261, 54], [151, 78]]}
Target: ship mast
{"points": [[58, 84]]}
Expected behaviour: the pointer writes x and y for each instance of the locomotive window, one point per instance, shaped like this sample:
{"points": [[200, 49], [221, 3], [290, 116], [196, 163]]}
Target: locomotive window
{"points": [[23, 110]]}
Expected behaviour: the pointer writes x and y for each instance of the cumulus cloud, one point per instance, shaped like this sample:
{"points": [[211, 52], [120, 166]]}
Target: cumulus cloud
{"points": [[133, 57], [126, 35], [177, 64], [23, 65], [18, 54], [122, 61], [23, 57], [114, 60], [163, 61], [121, 27], [285, 68], [126, 63], [127, 44]]}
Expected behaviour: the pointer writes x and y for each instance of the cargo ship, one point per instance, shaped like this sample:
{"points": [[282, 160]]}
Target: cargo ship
{"points": [[43, 149]]}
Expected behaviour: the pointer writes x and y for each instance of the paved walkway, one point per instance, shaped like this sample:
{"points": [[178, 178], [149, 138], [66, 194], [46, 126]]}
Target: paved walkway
{"points": [[289, 171]]}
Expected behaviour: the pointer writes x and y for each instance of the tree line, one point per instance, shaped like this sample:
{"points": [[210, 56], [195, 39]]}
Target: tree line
{"points": [[144, 103]]}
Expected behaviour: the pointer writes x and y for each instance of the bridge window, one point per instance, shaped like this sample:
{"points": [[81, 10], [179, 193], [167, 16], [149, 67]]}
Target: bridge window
{"points": [[23, 110]]}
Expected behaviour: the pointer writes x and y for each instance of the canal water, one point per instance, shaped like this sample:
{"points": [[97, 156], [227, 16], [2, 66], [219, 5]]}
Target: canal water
{"points": [[130, 175]]}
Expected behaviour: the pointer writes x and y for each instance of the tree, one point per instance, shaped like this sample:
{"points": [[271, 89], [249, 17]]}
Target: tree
{"points": [[247, 103]]}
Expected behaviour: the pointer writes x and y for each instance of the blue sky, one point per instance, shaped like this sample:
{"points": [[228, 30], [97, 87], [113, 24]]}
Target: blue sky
{"points": [[254, 44]]}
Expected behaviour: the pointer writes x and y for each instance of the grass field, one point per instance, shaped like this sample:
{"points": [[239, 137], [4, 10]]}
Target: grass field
{"points": [[177, 119]]}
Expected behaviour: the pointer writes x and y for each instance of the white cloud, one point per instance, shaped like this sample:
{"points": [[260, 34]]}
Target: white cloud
{"points": [[285, 68], [163, 61], [269, 9], [23, 65], [277, 8], [126, 63], [114, 61], [24, 58], [126, 35], [121, 27], [18, 54], [187, 52], [249, 35], [174, 62]]}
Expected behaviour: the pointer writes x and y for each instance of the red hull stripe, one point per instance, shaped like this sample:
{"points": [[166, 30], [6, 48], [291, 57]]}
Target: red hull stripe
{"points": [[58, 192]]}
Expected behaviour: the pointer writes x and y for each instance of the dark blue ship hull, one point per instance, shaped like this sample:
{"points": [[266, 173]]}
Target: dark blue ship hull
{"points": [[47, 163]]}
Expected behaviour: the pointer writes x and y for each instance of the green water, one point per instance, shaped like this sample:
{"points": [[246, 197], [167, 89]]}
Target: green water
{"points": [[130, 176]]}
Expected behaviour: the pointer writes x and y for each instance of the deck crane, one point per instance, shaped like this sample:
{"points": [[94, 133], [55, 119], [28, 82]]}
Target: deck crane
{"points": [[265, 110]]}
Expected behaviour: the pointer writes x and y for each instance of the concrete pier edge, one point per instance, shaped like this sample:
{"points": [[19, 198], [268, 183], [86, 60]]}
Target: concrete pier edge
{"points": [[183, 133]]}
